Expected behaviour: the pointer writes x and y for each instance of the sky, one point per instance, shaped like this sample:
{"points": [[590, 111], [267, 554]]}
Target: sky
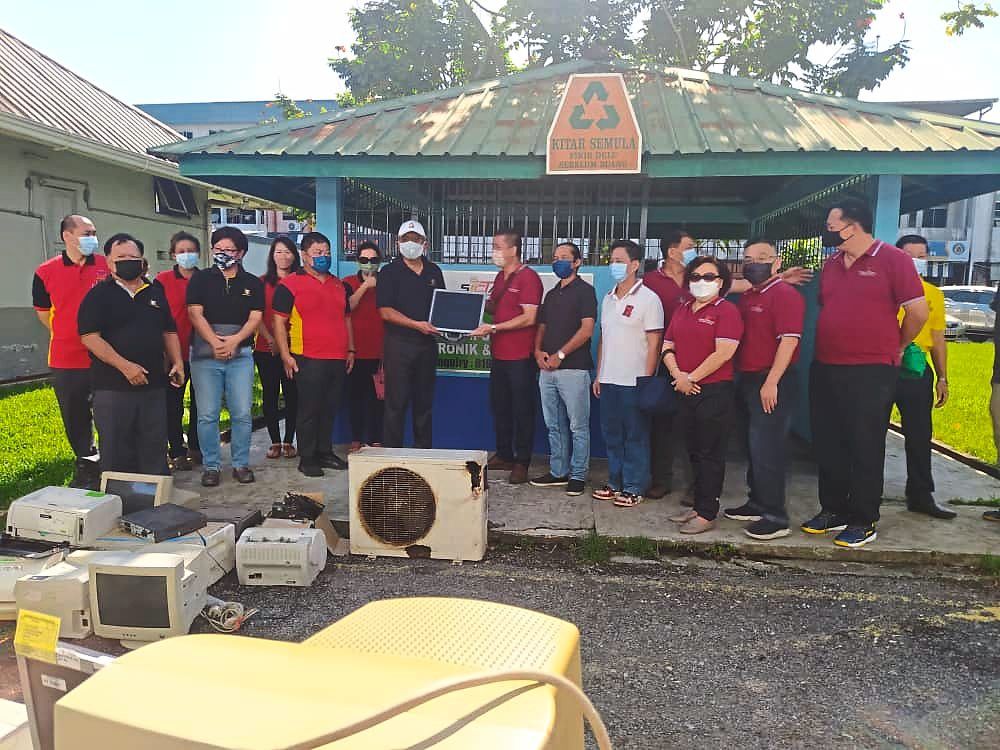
{"points": [[186, 51]]}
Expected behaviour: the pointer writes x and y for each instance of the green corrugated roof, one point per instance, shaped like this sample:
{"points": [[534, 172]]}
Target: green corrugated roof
{"points": [[680, 112]]}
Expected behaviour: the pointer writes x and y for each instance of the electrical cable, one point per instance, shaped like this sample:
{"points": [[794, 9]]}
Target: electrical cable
{"points": [[444, 687], [226, 617], [204, 542]]}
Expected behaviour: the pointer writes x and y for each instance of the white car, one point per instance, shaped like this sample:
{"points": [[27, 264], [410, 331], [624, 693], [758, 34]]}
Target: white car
{"points": [[972, 306], [953, 328]]}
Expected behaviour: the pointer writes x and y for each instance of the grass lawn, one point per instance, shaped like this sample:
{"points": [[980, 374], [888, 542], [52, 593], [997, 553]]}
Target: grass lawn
{"points": [[34, 451]]}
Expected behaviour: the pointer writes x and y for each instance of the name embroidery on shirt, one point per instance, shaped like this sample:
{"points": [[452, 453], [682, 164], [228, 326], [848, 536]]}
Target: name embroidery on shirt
{"points": [[246, 292], [756, 308], [707, 321], [867, 273]]}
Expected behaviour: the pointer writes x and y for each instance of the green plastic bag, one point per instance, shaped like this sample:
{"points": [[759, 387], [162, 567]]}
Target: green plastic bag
{"points": [[914, 362]]}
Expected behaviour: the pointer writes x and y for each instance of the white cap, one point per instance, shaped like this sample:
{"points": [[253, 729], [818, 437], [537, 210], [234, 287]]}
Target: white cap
{"points": [[412, 226]]}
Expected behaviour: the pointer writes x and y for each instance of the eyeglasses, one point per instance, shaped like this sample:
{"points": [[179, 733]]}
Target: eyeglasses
{"points": [[762, 260], [705, 276], [224, 250], [368, 259]]}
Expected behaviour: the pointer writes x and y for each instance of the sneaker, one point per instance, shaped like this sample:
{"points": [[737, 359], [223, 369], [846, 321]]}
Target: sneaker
{"points": [[547, 480], [764, 529], [605, 493], [744, 513], [243, 475], [575, 487], [856, 536], [823, 523], [210, 478], [991, 515]]}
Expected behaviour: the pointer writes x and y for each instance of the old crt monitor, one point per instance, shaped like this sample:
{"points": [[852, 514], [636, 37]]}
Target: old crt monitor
{"points": [[457, 312], [138, 597], [137, 491]]}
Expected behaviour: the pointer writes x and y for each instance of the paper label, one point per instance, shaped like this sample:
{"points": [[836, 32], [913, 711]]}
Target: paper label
{"points": [[55, 683], [67, 659], [36, 635]]}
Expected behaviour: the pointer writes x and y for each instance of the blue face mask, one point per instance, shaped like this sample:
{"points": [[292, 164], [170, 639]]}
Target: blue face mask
{"points": [[619, 271], [187, 260], [921, 265], [88, 245], [322, 263], [690, 254], [562, 268]]}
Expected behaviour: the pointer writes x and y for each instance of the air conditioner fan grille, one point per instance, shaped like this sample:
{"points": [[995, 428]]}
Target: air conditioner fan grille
{"points": [[397, 506]]}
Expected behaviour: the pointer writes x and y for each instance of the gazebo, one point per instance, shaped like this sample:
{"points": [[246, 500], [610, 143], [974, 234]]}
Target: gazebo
{"points": [[725, 158]]}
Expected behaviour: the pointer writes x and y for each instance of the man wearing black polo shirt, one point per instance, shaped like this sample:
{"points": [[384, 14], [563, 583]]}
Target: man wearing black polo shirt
{"points": [[126, 325], [562, 351], [403, 295]]}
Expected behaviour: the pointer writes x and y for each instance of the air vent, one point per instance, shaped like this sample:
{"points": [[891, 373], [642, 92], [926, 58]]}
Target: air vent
{"points": [[397, 506]]}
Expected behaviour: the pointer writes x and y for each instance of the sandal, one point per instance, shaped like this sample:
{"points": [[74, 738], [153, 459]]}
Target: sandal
{"points": [[684, 516], [606, 493], [274, 451], [628, 500], [697, 525], [290, 451]]}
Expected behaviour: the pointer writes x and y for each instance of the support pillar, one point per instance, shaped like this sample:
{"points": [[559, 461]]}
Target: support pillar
{"points": [[330, 215], [887, 205]]}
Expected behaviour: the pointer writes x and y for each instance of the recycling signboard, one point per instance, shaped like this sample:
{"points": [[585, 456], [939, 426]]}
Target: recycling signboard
{"points": [[594, 130]]}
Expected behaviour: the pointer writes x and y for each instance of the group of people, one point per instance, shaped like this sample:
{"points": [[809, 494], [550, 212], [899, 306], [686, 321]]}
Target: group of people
{"points": [[124, 346]]}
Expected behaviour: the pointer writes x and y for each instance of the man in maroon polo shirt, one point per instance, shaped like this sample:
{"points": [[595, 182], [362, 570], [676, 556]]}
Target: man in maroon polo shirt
{"points": [[859, 343], [513, 302], [59, 286], [773, 314]]}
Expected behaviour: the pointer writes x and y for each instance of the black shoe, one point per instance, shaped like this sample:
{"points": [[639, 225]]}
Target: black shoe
{"points": [[856, 536], [658, 490], [211, 478], [745, 512], [331, 461], [823, 523], [243, 475], [310, 470], [929, 507], [764, 529], [575, 487], [547, 480]]}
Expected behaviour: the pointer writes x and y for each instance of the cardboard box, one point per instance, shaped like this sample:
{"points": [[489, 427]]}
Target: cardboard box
{"points": [[335, 545]]}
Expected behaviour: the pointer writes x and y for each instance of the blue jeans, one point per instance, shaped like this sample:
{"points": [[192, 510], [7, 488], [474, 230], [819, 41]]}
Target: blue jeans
{"points": [[626, 434], [211, 379], [566, 408]]}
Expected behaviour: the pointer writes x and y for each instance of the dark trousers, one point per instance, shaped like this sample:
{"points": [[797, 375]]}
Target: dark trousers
{"points": [[175, 418], [367, 410], [410, 372], [767, 442], [849, 407], [132, 430], [708, 421], [668, 461], [915, 399], [514, 400], [321, 384], [73, 394], [273, 380]]}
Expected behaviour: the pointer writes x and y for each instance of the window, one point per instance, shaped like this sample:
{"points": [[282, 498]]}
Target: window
{"points": [[216, 216], [288, 216], [910, 220], [213, 132], [241, 216], [173, 198], [187, 134], [996, 214], [935, 218]]}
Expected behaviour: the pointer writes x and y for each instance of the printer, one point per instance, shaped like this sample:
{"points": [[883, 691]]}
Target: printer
{"points": [[65, 515], [280, 556]]}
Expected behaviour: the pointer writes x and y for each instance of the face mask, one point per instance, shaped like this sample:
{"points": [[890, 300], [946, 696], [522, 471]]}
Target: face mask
{"points": [[369, 268], [88, 245], [833, 239], [921, 266], [704, 289], [411, 250], [690, 254], [129, 270], [563, 268], [619, 271], [224, 261], [322, 263], [187, 260], [756, 273]]}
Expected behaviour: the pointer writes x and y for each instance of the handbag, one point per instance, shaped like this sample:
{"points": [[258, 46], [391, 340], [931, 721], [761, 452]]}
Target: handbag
{"points": [[655, 393], [378, 378], [201, 349]]}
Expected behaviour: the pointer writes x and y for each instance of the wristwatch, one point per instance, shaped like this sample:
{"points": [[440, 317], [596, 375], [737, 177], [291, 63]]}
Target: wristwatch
{"points": [[493, 328], [561, 354]]}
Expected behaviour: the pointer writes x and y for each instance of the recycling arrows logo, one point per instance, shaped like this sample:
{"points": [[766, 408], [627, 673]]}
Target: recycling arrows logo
{"points": [[578, 119]]}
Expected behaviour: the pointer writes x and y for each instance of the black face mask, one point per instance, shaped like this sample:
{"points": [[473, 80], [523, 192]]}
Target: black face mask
{"points": [[833, 239], [129, 270], [756, 273]]}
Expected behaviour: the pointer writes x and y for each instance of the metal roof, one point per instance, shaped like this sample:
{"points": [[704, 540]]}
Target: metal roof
{"points": [[957, 107], [245, 113], [37, 88], [681, 112]]}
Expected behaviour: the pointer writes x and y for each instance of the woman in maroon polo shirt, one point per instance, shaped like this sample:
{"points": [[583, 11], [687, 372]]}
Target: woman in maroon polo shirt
{"points": [[698, 350], [366, 405], [282, 260]]}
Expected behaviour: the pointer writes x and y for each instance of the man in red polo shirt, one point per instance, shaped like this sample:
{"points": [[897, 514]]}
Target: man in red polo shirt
{"points": [[317, 350], [59, 286], [513, 302], [773, 314], [859, 343]]}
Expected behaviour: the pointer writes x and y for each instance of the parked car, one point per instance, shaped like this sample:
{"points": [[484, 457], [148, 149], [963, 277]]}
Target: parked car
{"points": [[971, 305], [954, 328]]}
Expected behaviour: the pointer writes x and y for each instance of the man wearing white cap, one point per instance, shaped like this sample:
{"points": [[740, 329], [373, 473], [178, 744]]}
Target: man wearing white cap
{"points": [[403, 296]]}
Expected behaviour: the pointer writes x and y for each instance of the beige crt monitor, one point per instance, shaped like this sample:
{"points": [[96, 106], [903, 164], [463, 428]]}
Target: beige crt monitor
{"points": [[137, 491]]}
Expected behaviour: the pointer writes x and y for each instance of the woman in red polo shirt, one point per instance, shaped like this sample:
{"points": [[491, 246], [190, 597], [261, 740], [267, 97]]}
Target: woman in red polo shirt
{"points": [[185, 249], [282, 260], [366, 405], [698, 350]]}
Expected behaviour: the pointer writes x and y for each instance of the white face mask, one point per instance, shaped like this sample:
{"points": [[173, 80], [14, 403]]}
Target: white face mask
{"points": [[411, 250], [704, 289]]}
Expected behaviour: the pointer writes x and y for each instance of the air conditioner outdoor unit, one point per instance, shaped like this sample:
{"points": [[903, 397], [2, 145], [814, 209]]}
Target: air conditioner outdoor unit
{"points": [[418, 503]]}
